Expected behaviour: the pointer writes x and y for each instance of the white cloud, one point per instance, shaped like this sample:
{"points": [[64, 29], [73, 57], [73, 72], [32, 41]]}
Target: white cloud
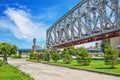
{"points": [[19, 22]]}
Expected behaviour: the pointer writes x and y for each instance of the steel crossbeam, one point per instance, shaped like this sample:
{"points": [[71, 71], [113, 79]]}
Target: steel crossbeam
{"points": [[88, 21]]}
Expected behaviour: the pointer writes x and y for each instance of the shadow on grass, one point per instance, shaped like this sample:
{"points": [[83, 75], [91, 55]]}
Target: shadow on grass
{"points": [[80, 65], [106, 68]]}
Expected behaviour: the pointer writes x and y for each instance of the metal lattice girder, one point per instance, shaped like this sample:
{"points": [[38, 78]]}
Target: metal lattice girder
{"points": [[87, 20]]}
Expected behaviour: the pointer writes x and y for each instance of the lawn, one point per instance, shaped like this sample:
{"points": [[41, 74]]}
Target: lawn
{"points": [[7, 72], [96, 65]]}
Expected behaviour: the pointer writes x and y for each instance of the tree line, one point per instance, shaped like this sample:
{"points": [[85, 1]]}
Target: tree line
{"points": [[81, 55], [66, 55]]}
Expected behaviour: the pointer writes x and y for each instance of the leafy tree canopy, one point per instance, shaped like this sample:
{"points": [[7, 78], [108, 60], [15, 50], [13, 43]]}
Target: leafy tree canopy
{"points": [[111, 56], [70, 50], [104, 44], [83, 57], [7, 49], [55, 56]]}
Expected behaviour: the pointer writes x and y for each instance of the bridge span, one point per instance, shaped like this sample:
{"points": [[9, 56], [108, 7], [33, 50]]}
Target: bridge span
{"points": [[89, 20]]}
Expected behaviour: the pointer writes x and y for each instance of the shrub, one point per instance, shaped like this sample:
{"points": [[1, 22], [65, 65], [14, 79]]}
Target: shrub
{"points": [[83, 57], [33, 56], [55, 56], [118, 61], [37, 56], [17, 56], [111, 56], [67, 55], [41, 56], [1, 62], [48, 56], [67, 58]]}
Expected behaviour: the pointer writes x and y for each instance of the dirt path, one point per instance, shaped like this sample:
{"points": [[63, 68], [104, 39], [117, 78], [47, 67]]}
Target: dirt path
{"points": [[47, 72]]}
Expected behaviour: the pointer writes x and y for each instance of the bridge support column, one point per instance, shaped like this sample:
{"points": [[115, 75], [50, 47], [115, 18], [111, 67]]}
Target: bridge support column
{"points": [[115, 43]]}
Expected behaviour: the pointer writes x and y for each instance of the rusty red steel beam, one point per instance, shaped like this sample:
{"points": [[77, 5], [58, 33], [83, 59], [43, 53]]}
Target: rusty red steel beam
{"points": [[94, 38]]}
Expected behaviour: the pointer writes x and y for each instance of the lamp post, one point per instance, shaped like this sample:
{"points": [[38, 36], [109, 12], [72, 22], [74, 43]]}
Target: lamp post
{"points": [[48, 55]]}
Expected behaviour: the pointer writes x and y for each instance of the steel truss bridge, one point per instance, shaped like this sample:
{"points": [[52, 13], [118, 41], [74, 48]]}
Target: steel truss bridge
{"points": [[89, 20]]}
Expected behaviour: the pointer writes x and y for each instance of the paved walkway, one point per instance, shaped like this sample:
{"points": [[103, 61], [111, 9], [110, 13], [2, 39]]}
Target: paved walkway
{"points": [[47, 72]]}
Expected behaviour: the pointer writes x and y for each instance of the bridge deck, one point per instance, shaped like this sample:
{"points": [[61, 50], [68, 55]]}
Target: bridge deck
{"points": [[91, 39]]}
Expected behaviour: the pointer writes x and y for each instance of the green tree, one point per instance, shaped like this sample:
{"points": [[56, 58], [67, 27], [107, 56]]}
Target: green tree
{"points": [[83, 57], [55, 56], [7, 49], [111, 56], [41, 56], [67, 58], [71, 50], [48, 56], [104, 44], [13, 49], [67, 54], [31, 55]]}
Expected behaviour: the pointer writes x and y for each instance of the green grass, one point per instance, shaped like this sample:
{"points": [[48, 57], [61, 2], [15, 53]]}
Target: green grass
{"points": [[8, 72], [96, 65]]}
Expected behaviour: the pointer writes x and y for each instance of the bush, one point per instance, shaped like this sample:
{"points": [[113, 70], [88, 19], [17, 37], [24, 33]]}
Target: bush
{"points": [[1, 62], [48, 56], [37, 56], [41, 56], [33, 56], [83, 57], [17, 56], [67, 58], [118, 61], [55, 56], [111, 56], [67, 54]]}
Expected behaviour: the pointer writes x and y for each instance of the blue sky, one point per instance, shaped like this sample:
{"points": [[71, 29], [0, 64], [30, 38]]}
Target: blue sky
{"points": [[22, 20]]}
